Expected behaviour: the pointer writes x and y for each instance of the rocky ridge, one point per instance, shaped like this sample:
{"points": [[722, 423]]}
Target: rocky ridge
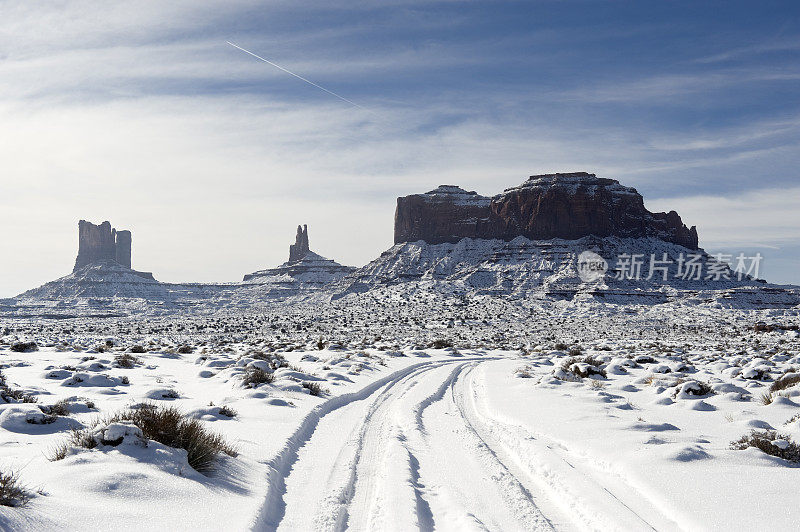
{"points": [[548, 269]]}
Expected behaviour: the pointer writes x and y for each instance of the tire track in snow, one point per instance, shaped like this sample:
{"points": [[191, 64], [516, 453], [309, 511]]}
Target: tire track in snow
{"points": [[497, 502], [273, 509], [575, 485]]}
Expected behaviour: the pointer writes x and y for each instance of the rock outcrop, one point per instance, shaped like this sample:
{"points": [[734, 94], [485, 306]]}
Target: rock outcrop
{"points": [[300, 248], [102, 243], [123, 255], [304, 269], [564, 205]]}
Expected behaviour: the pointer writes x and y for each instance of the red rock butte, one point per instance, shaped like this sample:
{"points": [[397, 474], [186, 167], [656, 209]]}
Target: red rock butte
{"points": [[562, 205]]}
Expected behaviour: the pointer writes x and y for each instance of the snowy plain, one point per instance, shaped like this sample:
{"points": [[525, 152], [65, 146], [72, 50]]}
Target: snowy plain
{"points": [[476, 420]]}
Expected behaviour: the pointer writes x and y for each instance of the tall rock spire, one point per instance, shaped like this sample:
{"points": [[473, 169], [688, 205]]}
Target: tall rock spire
{"points": [[300, 248]]}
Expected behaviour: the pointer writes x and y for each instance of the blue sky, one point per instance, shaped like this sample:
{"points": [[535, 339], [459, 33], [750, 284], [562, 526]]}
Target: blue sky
{"points": [[141, 114]]}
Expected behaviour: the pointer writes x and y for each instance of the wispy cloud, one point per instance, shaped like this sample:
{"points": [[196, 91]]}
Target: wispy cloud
{"points": [[141, 114]]}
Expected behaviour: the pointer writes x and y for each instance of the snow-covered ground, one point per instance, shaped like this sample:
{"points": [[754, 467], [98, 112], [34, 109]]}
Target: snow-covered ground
{"points": [[459, 423]]}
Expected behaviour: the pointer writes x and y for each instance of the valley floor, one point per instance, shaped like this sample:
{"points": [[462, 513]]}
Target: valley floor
{"points": [[413, 438]]}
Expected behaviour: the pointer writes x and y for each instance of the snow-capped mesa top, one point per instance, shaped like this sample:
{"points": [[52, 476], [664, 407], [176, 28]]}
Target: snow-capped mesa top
{"points": [[572, 182], [569, 205], [456, 195]]}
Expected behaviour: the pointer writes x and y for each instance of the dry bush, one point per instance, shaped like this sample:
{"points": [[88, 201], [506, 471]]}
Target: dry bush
{"points": [[227, 411], [10, 395], [784, 382], [700, 388], [253, 377], [61, 408], [597, 385], [763, 440], [24, 347], [313, 388], [275, 360], [441, 343], [77, 438], [11, 493], [166, 425], [126, 360], [591, 366]]}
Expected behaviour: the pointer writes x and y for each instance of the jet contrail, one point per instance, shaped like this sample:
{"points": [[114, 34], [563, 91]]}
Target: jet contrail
{"points": [[295, 75]]}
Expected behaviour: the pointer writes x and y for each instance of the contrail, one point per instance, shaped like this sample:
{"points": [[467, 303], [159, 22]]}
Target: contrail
{"points": [[295, 75]]}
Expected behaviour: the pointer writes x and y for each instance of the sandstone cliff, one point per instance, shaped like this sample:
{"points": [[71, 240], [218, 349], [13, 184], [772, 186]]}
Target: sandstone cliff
{"points": [[102, 243], [563, 205]]}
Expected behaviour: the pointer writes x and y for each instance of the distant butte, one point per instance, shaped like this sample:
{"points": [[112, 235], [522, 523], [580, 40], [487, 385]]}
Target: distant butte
{"points": [[562, 205], [303, 264], [102, 242]]}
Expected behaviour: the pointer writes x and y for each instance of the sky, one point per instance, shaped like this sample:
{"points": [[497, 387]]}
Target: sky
{"points": [[140, 113]]}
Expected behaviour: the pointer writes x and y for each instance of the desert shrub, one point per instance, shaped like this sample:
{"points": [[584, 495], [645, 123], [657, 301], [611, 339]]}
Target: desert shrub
{"points": [[313, 388], [693, 387], [771, 443], [441, 343], [275, 360], [561, 346], [256, 376], [644, 359], [138, 349], [166, 425], [583, 367], [575, 351], [126, 360], [11, 493], [124, 380], [45, 419], [61, 408], [597, 385], [185, 349], [227, 411], [523, 373], [758, 374], [785, 382], [589, 359], [10, 395], [169, 426], [24, 347], [78, 438]]}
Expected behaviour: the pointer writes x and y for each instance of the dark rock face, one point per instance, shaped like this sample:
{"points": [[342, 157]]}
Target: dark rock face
{"points": [[300, 248], [568, 206], [101, 243], [123, 255]]}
